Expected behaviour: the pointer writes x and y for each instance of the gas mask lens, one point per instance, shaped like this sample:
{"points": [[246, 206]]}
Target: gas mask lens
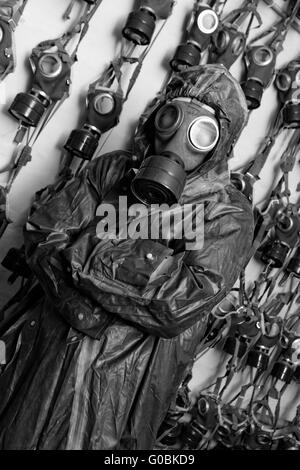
{"points": [[222, 40], [238, 45], [283, 81], [104, 103], [203, 133], [263, 56], [50, 65], [168, 120], [203, 406], [207, 21]]}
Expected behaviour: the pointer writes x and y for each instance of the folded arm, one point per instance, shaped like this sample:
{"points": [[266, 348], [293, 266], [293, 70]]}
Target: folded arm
{"points": [[59, 213], [178, 289]]}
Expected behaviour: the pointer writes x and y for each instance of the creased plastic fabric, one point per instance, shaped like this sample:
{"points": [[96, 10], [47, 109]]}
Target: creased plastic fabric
{"points": [[103, 352]]}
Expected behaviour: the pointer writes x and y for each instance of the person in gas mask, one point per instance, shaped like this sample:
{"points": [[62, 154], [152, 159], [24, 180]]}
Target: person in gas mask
{"points": [[96, 363]]}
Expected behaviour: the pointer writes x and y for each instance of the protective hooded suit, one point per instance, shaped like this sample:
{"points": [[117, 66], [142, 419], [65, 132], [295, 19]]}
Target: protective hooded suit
{"points": [[95, 363]]}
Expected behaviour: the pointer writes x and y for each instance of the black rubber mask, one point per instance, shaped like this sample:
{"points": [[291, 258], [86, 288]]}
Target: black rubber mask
{"points": [[186, 131]]}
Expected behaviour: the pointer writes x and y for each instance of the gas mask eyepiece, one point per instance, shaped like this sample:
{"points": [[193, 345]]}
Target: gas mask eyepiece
{"points": [[50, 65], [203, 134], [183, 130], [168, 120], [227, 45]]}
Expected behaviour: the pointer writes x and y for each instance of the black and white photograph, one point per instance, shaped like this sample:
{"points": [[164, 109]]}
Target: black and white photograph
{"points": [[150, 228]]}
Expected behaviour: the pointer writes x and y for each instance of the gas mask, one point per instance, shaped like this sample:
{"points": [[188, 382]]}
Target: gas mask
{"points": [[288, 85], [260, 62], [289, 360], [107, 94], [186, 131], [282, 239], [104, 107], [258, 438], [227, 45], [230, 41], [202, 25], [51, 66]]}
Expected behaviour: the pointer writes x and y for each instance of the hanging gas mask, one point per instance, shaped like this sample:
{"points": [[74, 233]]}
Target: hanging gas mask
{"points": [[141, 22], [230, 431], [289, 360], [259, 356], [259, 435], [285, 235], [240, 334], [103, 110], [51, 66], [227, 45], [287, 83], [258, 438], [202, 25], [260, 63], [185, 133]]}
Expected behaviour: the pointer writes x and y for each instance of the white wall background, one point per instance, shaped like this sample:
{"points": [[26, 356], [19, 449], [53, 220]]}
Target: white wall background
{"points": [[42, 20]]}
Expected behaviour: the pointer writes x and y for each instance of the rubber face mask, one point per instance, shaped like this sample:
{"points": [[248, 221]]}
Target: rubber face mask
{"points": [[186, 132], [288, 85]]}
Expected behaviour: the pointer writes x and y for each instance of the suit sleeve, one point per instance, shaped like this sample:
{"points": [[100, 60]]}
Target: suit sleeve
{"points": [[180, 288], [59, 213], [62, 210]]}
